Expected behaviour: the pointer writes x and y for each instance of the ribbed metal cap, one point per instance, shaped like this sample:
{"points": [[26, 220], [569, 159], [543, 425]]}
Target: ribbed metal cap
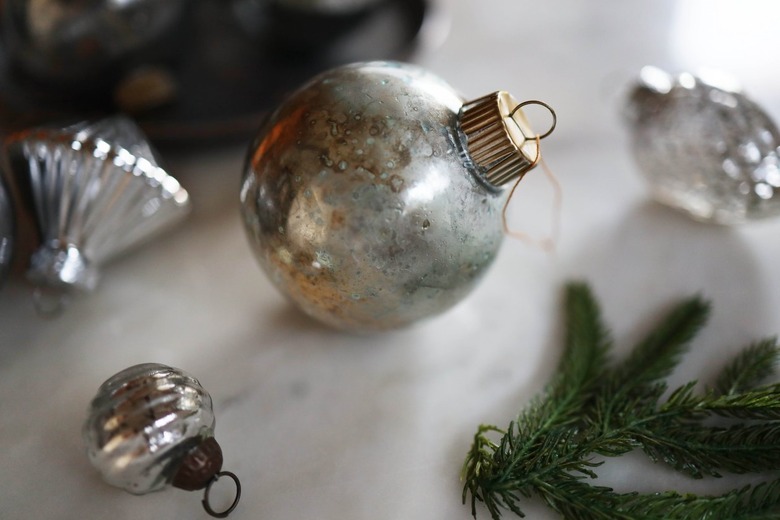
{"points": [[499, 138]]}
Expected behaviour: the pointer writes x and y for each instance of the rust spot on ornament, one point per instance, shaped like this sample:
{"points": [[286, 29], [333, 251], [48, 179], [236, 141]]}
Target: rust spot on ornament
{"points": [[396, 183], [337, 219]]}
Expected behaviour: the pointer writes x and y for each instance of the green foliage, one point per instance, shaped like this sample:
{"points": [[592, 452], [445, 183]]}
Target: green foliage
{"points": [[597, 407], [748, 369]]}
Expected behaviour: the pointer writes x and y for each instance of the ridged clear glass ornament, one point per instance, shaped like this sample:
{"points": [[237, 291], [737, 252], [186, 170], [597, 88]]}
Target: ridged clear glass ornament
{"points": [[707, 150], [97, 190]]}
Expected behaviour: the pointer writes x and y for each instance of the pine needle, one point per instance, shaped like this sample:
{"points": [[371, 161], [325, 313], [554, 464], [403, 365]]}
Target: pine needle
{"points": [[756, 363], [594, 407]]}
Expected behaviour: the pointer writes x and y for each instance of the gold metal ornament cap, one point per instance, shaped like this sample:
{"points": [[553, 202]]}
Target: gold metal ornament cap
{"points": [[499, 138]]}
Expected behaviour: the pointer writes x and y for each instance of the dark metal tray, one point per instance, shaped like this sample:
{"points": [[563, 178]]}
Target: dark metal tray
{"points": [[232, 72]]}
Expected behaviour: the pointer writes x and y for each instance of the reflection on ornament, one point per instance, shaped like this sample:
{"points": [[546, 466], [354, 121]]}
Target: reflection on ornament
{"points": [[372, 197], [6, 231], [96, 190], [150, 426], [707, 150]]}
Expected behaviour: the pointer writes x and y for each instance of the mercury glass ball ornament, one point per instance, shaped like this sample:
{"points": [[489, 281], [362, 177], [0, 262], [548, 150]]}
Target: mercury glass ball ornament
{"points": [[87, 43], [151, 426], [372, 197], [704, 148], [6, 231]]}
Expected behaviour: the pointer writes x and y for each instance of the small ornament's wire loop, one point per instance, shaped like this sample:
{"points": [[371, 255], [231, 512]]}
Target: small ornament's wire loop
{"points": [[542, 104], [230, 509]]}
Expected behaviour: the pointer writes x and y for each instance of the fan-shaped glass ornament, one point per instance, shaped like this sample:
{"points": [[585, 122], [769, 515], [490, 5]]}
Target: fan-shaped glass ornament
{"points": [[705, 149], [373, 195], [96, 190], [6, 231], [150, 426]]}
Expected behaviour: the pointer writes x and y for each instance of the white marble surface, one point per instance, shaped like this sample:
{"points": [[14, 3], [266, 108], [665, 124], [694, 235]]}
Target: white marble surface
{"points": [[324, 425]]}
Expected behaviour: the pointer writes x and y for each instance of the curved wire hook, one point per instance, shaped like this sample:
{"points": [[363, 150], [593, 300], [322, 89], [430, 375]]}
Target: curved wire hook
{"points": [[542, 104], [230, 509]]}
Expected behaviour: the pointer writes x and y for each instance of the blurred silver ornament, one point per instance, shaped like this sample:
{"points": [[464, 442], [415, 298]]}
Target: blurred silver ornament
{"points": [[373, 196], [704, 147], [6, 231], [89, 43], [97, 190], [150, 426]]}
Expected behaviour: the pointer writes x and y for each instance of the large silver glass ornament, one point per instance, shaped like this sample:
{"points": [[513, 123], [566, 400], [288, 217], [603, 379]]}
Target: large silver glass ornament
{"points": [[372, 196], [88, 43], [96, 190], [150, 426], [707, 150], [6, 231]]}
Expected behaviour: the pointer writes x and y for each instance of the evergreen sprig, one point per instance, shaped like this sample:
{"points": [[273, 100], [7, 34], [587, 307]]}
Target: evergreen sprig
{"points": [[597, 407]]}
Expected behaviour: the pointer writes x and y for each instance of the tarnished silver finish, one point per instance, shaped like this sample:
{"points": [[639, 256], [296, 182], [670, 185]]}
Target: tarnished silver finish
{"points": [[362, 203], [706, 150], [81, 43], [6, 232], [142, 423], [97, 190]]}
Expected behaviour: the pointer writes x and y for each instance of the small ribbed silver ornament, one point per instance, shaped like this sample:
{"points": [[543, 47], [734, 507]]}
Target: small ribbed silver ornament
{"points": [[705, 149], [150, 426], [97, 190], [6, 232]]}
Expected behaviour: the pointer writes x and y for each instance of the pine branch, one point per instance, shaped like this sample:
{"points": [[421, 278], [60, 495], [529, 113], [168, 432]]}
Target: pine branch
{"points": [[752, 366], [639, 379], [586, 345], [657, 355], [701, 450], [762, 403], [594, 408], [498, 466], [578, 500]]}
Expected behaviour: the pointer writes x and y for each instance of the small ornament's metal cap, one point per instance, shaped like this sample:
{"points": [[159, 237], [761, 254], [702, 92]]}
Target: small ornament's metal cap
{"points": [[499, 138], [96, 190], [198, 466]]}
